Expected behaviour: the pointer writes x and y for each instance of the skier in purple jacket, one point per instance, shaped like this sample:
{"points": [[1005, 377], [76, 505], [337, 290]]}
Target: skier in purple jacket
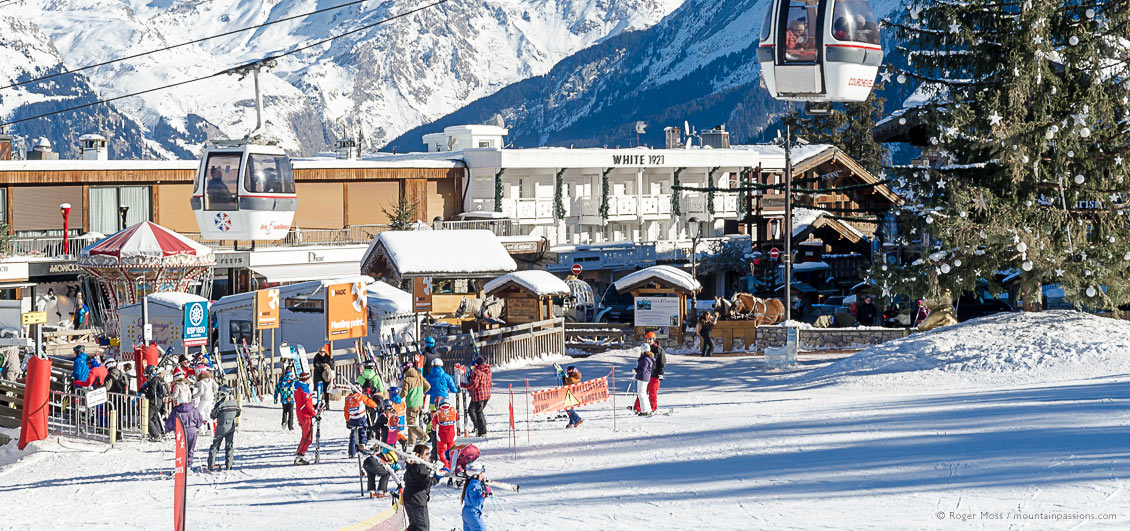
{"points": [[644, 365], [191, 420]]}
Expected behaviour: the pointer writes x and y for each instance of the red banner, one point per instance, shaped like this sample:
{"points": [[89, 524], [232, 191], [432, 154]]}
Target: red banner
{"points": [[33, 424], [511, 408], [571, 396], [180, 479]]}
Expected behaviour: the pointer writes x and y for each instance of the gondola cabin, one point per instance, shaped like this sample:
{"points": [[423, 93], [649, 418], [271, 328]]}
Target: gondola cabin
{"points": [[820, 50], [244, 193]]}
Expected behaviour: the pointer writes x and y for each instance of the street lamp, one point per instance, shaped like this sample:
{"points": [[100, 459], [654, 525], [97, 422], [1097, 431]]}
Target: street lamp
{"points": [[122, 211], [693, 226], [65, 210]]}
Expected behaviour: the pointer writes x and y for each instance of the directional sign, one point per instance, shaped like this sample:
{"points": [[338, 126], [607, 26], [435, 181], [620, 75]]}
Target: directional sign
{"points": [[576, 269], [32, 318], [195, 324], [774, 253], [267, 309]]}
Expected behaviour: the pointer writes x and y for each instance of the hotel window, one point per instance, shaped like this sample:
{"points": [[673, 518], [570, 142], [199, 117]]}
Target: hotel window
{"points": [[104, 203]]}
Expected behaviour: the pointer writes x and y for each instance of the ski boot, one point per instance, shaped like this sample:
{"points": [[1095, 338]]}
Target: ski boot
{"points": [[300, 460]]}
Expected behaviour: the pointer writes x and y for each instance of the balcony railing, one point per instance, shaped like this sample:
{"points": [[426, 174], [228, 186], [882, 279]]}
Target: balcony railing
{"points": [[50, 246]]}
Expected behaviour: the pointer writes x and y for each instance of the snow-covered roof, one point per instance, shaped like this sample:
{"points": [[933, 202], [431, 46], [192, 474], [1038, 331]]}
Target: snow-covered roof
{"points": [[541, 283], [810, 266], [387, 298], [173, 299], [669, 275], [437, 253], [803, 218]]}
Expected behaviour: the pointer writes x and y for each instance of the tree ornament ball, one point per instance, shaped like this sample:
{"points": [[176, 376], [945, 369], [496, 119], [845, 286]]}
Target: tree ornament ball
{"points": [[957, 263], [1027, 265], [1126, 257], [1085, 132], [946, 268], [1091, 292], [1021, 247], [1090, 13], [1073, 40], [1079, 179], [929, 221], [901, 79], [1071, 153], [1024, 159]]}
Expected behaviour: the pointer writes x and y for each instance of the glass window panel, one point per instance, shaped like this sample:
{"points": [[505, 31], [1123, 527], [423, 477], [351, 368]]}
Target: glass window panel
{"points": [[104, 210], [855, 21], [800, 32], [269, 174], [137, 199], [222, 182]]}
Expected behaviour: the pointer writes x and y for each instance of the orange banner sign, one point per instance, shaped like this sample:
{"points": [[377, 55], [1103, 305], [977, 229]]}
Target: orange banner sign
{"points": [[570, 396], [346, 312], [267, 309]]}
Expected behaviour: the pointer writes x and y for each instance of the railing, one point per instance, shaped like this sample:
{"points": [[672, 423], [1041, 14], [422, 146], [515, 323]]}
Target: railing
{"points": [[597, 337], [50, 246], [68, 414], [538, 208], [500, 227], [504, 345]]}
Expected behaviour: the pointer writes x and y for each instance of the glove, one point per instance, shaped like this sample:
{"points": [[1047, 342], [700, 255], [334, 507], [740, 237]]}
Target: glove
{"points": [[661, 377]]}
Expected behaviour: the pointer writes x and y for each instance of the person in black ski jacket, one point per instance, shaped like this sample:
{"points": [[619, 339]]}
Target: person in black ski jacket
{"points": [[418, 481], [866, 312], [154, 390], [116, 380], [705, 327], [322, 361], [225, 413]]}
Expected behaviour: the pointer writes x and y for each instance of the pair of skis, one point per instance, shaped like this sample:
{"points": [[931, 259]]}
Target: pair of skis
{"points": [[438, 465]]}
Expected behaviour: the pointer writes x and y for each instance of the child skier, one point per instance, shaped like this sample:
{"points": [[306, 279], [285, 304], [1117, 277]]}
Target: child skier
{"points": [[415, 388], [224, 413], [462, 456], [304, 406], [154, 390], [189, 418], [285, 391], [573, 376], [443, 420], [356, 418], [644, 365], [383, 463], [475, 493], [396, 429], [371, 383]]}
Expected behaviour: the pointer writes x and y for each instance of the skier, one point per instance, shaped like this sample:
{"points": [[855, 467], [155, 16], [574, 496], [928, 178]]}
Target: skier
{"points": [[573, 376], [205, 396], [415, 388], [418, 481], [430, 356], [443, 421], [184, 368], [479, 382], [116, 380], [381, 462], [644, 365], [356, 419], [284, 391], [324, 375], [370, 382], [396, 429], [97, 376], [474, 494], [155, 392], [189, 417], [304, 406], [657, 371], [462, 456], [81, 367], [224, 413], [441, 383]]}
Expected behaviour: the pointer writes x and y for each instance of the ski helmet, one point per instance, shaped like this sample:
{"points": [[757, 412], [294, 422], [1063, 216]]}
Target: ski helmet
{"points": [[368, 364], [441, 400], [429, 341], [481, 360], [151, 371], [438, 363], [79, 348], [474, 469], [304, 376], [393, 391], [649, 335], [389, 457], [111, 363]]}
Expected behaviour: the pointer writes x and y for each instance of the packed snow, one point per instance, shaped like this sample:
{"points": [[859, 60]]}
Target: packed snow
{"points": [[735, 446], [539, 282]]}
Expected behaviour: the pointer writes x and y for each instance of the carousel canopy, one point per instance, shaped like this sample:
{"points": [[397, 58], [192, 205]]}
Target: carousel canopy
{"points": [[147, 244]]}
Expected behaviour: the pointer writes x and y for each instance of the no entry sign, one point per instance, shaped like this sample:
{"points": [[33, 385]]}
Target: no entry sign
{"points": [[774, 253], [576, 269]]}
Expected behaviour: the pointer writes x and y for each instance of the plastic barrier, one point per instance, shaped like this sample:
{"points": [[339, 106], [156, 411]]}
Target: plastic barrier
{"points": [[33, 425]]}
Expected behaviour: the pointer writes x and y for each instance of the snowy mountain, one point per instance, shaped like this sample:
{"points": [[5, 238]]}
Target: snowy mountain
{"points": [[699, 64], [380, 81]]}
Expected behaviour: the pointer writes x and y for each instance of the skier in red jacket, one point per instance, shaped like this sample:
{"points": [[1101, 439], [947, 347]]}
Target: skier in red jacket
{"points": [[305, 408], [444, 420]]}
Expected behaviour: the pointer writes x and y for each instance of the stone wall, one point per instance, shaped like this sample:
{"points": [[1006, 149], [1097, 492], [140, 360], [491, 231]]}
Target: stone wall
{"points": [[829, 338]]}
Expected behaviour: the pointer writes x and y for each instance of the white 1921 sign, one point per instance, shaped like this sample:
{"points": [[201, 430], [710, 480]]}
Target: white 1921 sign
{"points": [[657, 311]]}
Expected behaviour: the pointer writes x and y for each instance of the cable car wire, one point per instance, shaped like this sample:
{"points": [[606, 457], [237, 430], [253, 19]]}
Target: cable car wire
{"points": [[230, 70], [174, 46]]}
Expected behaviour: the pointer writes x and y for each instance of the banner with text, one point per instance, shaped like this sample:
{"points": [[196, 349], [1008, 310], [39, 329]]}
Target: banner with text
{"points": [[195, 324], [267, 309], [346, 311], [570, 396]]}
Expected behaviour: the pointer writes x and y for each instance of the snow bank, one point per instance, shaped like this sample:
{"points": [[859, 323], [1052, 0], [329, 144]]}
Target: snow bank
{"points": [[1001, 349], [541, 283]]}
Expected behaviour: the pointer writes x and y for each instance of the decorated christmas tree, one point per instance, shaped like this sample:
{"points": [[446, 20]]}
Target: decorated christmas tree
{"points": [[1026, 112]]}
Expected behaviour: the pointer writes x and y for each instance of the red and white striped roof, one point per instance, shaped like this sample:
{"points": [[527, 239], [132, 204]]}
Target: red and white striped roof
{"points": [[149, 240]]}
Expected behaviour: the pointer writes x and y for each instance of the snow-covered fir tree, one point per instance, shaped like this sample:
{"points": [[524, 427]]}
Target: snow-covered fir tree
{"points": [[1028, 111]]}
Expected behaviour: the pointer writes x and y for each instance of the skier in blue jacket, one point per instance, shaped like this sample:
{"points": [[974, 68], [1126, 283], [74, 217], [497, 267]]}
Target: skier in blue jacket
{"points": [[82, 366], [474, 495], [441, 382]]}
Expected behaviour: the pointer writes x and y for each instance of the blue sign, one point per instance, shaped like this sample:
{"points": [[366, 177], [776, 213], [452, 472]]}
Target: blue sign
{"points": [[195, 324]]}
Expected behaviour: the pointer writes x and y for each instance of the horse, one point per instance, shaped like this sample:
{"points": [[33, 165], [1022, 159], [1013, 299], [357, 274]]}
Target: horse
{"points": [[489, 308], [747, 306]]}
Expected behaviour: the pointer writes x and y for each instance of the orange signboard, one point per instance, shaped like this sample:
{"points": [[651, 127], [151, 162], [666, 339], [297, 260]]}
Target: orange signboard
{"points": [[267, 309], [570, 396], [346, 312], [422, 294]]}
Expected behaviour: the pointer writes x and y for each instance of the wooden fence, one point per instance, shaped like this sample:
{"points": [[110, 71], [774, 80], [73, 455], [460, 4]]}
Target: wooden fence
{"points": [[597, 337], [504, 345]]}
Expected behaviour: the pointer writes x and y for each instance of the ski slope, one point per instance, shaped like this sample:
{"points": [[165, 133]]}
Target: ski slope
{"points": [[738, 447]]}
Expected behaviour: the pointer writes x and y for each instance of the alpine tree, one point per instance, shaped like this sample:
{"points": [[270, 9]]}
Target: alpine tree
{"points": [[1027, 108], [402, 215], [849, 127]]}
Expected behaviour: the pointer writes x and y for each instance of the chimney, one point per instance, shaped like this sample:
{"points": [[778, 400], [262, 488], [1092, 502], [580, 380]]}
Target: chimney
{"points": [[93, 147], [5, 147], [42, 151], [674, 137], [346, 149], [717, 138]]}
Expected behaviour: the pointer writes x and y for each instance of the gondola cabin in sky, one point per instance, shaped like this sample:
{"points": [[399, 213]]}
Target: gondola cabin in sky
{"points": [[244, 192], [820, 50]]}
